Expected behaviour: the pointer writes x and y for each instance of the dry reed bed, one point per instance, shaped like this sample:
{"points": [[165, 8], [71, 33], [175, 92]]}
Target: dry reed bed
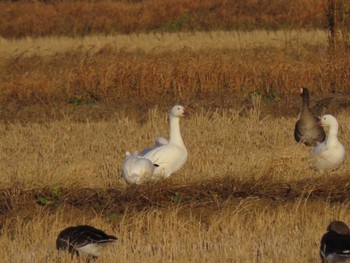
{"points": [[34, 18], [110, 76]]}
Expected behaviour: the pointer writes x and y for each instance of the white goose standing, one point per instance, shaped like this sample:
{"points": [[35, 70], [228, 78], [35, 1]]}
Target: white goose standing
{"points": [[169, 157], [330, 154]]}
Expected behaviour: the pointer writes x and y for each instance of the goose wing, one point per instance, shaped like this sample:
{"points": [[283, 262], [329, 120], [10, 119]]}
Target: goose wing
{"points": [[319, 148]]}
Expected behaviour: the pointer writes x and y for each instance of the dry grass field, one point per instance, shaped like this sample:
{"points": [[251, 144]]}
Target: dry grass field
{"points": [[87, 82], [247, 192]]}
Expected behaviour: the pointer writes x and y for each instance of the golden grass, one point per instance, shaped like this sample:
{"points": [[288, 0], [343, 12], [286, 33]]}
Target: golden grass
{"points": [[220, 144], [259, 153], [246, 232]]}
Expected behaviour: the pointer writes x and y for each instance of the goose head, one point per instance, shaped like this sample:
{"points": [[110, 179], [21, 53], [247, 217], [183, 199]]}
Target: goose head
{"points": [[339, 227], [178, 111], [303, 92], [328, 121]]}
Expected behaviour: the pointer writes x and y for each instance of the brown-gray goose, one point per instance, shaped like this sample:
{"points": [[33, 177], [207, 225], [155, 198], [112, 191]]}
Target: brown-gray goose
{"points": [[307, 129]]}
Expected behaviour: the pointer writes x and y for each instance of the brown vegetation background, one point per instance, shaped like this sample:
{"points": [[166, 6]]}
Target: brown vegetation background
{"points": [[78, 18], [214, 75]]}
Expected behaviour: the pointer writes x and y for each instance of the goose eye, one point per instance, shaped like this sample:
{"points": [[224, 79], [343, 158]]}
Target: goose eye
{"points": [[178, 108]]}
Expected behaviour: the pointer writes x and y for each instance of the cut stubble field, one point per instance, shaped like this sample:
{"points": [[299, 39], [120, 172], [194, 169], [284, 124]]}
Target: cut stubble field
{"points": [[248, 192]]}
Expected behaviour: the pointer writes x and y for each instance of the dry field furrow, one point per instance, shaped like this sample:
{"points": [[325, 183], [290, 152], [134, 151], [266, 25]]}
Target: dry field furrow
{"points": [[206, 195]]}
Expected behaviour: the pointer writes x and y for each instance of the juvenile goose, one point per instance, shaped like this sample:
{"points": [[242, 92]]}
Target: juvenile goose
{"points": [[171, 156], [335, 243], [306, 129], [330, 154], [83, 240], [137, 169]]}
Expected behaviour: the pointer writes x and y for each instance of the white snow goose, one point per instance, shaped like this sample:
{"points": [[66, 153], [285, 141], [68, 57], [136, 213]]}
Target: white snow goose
{"points": [[83, 240], [170, 157], [330, 154], [306, 129], [335, 243], [137, 169]]}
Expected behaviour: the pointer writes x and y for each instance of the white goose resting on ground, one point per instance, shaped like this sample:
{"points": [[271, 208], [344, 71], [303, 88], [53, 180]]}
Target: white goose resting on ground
{"points": [[137, 169], [335, 243], [173, 155], [83, 240], [161, 161], [329, 154]]}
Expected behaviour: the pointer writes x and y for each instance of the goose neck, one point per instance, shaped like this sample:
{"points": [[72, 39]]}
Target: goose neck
{"points": [[332, 135], [306, 100], [175, 134]]}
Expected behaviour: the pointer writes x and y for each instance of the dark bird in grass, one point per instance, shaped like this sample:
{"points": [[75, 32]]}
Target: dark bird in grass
{"points": [[83, 240], [307, 129], [335, 243]]}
